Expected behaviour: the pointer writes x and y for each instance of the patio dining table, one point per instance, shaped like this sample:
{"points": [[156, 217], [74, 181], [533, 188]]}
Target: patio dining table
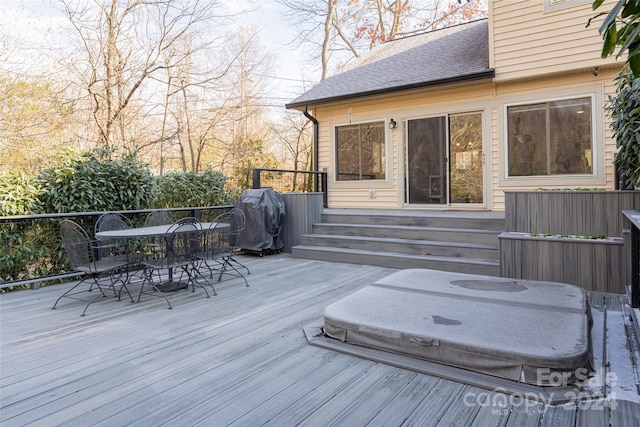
{"points": [[153, 231], [147, 231]]}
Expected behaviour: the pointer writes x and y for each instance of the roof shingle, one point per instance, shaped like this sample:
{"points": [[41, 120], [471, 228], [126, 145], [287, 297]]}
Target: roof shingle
{"points": [[453, 54]]}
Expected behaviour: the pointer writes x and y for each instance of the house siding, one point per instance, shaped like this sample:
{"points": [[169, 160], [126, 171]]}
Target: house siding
{"points": [[527, 41], [488, 97], [538, 55]]}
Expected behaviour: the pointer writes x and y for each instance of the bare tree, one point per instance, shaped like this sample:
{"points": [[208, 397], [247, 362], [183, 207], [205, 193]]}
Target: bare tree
{"points": [[121, 48], [34, 121], [188, 118], [246, 84], [344, 29], [293, 135]]}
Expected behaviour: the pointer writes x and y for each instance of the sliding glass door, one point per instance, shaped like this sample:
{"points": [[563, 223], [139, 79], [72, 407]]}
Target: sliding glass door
{"points": [[444, 160]]}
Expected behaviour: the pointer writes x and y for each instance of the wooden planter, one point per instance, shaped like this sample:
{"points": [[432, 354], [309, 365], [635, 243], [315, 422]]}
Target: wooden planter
{"points": [[568, 212], [593, 264]]}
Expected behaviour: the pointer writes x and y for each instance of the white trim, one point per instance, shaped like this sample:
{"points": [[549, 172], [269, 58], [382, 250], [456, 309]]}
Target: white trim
{"points": [[596, 178]]}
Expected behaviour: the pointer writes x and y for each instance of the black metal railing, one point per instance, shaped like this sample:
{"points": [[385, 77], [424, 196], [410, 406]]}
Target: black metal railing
{"points": [[291, 181], [31, 250], [634, 219]]}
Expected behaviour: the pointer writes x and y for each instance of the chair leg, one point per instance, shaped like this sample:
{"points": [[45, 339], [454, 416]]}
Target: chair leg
{"points": [[70, 292], [96, 283], [96, 298], [235, 261], [196, 266], [148, 276], [124, 286], [227, 263], [192, 271], [112, 285]]}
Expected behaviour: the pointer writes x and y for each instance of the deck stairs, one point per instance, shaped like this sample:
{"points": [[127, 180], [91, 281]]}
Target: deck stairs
{"points": [[456, 241]]}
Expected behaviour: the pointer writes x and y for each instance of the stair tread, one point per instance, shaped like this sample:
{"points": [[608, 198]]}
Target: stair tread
{"points": [[408, 241], [410, 227], [399, 255], [417, 213]]}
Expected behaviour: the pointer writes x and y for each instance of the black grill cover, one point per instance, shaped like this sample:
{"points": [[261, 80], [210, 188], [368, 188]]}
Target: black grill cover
{"points": [[264, 212]]}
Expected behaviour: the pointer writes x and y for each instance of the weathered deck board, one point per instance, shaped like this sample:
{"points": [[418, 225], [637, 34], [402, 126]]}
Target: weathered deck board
{"points": [[239, 358]]}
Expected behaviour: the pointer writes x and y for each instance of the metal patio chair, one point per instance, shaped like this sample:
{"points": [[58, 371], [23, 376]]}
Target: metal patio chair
{"points": [[155, 245], [212, 247], [117, 247], [240, 228], [179, 245], [158, 218], [230, 229], [102, 274]]}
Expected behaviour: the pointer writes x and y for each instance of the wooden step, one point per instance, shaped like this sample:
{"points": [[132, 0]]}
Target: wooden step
{"points": [[397, 260], [487, 237], [405, 246], [441, 219], [458, 241]]}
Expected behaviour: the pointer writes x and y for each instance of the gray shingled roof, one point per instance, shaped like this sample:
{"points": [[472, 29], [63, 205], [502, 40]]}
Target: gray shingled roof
{"points": [[454, 54]]}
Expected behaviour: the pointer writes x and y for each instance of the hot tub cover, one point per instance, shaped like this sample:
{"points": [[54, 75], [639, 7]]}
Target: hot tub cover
{"points": [[526, 331]]}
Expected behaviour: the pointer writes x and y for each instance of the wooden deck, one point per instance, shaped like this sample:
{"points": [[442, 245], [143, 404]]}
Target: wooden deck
{"points": [[241, 358]]}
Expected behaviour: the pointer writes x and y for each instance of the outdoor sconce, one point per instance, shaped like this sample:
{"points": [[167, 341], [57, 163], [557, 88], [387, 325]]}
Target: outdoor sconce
{"points": [[392, 124]]}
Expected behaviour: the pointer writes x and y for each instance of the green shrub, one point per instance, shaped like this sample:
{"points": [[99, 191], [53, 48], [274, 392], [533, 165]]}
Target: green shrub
{"points": [[179, 189], [96, 181], [19, 194], [625, 112], [20, 244]]}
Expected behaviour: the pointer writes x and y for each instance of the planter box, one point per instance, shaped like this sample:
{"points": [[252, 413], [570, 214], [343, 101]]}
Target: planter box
{"points": [[594, 264]]}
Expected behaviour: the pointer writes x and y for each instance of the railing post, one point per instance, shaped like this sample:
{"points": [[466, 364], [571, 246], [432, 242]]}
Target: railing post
{"points": [[325, 199], [256, 179], [635, 259]]}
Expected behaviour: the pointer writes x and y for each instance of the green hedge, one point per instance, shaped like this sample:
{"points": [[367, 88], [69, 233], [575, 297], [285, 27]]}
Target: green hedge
{"points": [[92, 181]]}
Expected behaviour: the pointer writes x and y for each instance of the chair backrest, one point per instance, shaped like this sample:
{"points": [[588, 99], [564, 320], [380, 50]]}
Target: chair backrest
{"points": [[232, 230], [77, 244], [240, 225], [108, 222], [212, 241], [158, 218], [112, 221], [188, 220], [183, 240], [241, 218]]}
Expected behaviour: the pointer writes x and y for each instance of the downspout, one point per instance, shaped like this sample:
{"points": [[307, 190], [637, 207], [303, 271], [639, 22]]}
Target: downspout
{"points": [[316, 135]]}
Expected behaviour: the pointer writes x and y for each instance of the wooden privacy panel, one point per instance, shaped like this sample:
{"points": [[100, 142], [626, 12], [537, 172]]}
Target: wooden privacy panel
{"points": [[594, 264], [302, 210], [568, 212]]}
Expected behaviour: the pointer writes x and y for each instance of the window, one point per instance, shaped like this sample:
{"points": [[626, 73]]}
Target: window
{"points": [[550, 138], [360, 151]]}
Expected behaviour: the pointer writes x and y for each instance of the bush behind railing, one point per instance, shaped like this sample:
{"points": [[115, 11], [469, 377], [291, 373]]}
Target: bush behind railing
{"points": [[31, 249], [99, 180]]}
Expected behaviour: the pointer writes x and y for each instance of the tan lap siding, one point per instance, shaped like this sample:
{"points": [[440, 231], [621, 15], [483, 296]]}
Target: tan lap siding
{"points": [[487, 97], [529, 41]]}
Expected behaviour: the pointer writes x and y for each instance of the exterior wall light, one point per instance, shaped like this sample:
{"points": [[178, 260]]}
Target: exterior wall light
{"points": [[393, 124]]}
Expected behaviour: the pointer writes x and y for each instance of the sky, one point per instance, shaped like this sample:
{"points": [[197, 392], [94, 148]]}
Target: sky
{"points": [[291, 75], [40, 24]]}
